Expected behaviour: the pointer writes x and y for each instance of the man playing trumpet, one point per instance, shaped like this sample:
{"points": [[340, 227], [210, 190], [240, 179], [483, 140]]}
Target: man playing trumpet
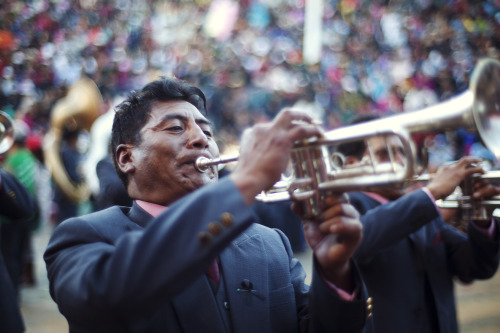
{"points": [[409, 257], [187, 256]]}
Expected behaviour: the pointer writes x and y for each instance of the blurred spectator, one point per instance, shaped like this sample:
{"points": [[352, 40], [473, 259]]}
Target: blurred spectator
{"points": [[16, 240], [72, 160], [16, 203]]}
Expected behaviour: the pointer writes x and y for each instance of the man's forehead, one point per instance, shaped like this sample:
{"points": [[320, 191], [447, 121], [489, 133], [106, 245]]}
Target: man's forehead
{"points": [[382, 142], [176, 109]]}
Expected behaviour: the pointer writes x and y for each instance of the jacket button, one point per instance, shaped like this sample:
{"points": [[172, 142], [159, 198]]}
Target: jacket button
{"points": [[227, 219], [369, 307], [214, 228], [205, 238]]}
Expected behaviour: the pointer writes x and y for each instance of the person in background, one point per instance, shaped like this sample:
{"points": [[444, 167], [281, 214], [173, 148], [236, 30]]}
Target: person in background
{"points": [[72, 160], [187, 256], [16, 236], [16, 203], [409, 257]]}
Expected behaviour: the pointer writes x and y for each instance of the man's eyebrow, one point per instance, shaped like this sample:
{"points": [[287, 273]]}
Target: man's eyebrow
{"points": [[202, 121]]}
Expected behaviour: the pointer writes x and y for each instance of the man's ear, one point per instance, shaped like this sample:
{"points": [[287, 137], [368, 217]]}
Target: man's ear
{"points": [[124, 158]]}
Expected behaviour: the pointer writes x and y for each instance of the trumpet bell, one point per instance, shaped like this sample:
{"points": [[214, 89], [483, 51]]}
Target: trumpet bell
{"points": [[6, 132], [486, 89]]}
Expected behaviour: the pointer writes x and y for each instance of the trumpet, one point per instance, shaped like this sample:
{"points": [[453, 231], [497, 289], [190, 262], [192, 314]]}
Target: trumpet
{"points": [[318, 168], [6, 132], [461, 199]]}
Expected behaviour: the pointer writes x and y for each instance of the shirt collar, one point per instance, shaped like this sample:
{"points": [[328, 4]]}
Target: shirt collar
{"points": [[151, 208]]}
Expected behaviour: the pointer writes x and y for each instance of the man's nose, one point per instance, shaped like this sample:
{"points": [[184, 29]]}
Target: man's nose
{"points": [[197, 138], [399, 156]]}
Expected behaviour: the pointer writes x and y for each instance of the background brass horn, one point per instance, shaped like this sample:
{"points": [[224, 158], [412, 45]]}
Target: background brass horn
{"points": [[6, 132], [76, 111]]}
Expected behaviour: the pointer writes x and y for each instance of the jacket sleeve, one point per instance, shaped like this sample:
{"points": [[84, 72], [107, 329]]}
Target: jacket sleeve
{"points": [[319, 308], [473, 255], [387, 224], [330, 313], [15, 200]]}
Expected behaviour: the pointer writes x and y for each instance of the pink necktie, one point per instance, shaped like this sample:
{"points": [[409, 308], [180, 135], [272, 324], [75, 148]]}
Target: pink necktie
{"points": [[213, 271]]}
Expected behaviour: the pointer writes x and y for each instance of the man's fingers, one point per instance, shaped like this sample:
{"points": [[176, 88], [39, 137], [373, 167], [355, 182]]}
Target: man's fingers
{"points": [[291, 117], [299, 125], [486, 192], [339, 209]]}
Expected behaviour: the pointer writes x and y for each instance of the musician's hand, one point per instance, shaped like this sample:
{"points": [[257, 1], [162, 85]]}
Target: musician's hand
{"points": [[483, 189], [265, 151], [333, 237], [448, 177]]}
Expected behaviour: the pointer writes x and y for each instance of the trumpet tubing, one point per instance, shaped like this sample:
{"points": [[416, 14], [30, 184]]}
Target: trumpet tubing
{"points": [[462, 200], [202, 163]]}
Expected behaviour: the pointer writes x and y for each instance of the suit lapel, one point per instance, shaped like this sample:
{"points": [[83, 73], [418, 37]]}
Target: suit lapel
{"points": [[418, 238], [428, 235], [196, 307], [244, 266]]}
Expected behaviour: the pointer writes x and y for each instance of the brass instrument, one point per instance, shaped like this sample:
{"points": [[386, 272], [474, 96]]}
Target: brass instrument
{"points": [[461, 199], [318, 168], [77, 111], [6, 132]]}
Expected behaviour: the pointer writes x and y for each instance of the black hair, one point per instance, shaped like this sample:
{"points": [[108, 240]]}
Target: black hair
{"points": [[356, 148]]}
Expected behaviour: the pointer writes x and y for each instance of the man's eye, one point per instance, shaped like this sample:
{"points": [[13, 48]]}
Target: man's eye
{"points": [[208, 133], [382, 154], [175, 128]]}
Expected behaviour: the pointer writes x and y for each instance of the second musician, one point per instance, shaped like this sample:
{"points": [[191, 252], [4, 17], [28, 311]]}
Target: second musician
{"points": [[409, 257]]}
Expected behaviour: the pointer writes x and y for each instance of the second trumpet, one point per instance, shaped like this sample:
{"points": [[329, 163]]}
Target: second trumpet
{"points": [[317, 168]]}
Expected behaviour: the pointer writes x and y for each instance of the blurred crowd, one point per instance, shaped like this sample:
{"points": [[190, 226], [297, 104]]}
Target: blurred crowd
{"points": [[378, 57]]}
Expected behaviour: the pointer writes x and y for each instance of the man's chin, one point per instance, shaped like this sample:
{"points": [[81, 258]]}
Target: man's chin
{"points": [[201, 180]]}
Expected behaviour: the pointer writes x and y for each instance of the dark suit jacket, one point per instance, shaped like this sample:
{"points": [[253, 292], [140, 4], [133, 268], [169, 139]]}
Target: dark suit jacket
{"points": [[15, 203], [120, 270], [406, 242]]}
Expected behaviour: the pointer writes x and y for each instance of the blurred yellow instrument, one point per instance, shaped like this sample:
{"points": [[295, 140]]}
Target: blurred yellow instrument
{"points": [[77, 111]]}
